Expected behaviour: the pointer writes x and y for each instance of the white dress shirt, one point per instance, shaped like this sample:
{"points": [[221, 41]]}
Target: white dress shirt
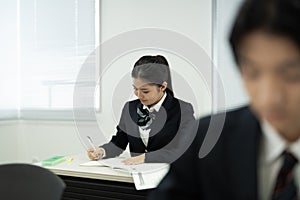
{"points": [[144, 133], [272, 146]]}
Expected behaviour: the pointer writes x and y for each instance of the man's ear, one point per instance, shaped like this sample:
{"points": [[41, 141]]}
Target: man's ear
{"points": [[164, 86]]}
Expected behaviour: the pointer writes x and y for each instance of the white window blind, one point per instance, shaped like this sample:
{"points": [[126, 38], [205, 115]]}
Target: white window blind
{"points": [[56, 38], [49, 41], [9, 86]]}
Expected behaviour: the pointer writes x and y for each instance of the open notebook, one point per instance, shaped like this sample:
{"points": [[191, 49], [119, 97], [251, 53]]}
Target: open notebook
{"points": [[145, 176]]}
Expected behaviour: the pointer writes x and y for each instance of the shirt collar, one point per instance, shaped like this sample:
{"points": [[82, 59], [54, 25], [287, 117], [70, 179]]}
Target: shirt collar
{"points": [[275, 144], [157, 106]]}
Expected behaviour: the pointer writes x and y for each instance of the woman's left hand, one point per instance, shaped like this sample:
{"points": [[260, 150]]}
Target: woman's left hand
{"points": [[135, 160]]}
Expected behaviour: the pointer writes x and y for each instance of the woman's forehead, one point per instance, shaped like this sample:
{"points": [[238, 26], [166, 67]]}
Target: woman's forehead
{"points": [[141, 83]]}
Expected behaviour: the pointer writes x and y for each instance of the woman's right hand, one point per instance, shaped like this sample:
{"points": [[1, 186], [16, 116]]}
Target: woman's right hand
{"points": [[95, 154]]}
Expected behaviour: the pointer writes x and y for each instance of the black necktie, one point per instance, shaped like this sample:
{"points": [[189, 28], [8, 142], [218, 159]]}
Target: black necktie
{"points": [[285, 187]]}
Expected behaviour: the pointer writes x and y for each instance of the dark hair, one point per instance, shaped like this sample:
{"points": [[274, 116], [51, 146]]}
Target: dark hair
{"points": [[153, 69], [276, 17]]}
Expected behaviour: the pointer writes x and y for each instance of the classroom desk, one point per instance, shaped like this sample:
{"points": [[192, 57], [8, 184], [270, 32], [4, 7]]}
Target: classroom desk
{"points": [[95, 183]]}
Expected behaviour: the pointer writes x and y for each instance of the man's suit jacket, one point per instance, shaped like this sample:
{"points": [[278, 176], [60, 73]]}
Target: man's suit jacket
{"points": [[229, 171], [172, 119]]}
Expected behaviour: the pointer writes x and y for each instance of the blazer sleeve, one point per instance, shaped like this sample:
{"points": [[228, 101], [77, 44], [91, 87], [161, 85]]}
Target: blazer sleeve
{"points": [[181, 141], [119, 141]]}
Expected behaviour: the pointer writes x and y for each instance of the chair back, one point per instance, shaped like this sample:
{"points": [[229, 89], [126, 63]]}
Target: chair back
{"points": [[29, 182]]}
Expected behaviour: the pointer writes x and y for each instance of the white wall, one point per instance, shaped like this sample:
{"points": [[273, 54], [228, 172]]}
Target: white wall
{"points": [[41, 139], [233, 85], [9, 141], [191, 18], [28, 141]]}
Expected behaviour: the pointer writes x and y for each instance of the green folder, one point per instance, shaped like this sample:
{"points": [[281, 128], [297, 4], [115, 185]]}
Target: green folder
{"points": [[53, 161]]}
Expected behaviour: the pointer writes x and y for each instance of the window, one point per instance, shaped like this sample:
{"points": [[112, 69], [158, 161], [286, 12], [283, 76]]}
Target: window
{"points": [[9, 85], [52, 40]]}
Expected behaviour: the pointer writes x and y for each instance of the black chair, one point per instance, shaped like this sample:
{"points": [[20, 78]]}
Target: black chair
{"points": [[29, 182]]}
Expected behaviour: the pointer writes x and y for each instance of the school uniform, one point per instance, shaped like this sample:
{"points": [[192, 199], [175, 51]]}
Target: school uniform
{"points": [[244, 164], [169, 117]]}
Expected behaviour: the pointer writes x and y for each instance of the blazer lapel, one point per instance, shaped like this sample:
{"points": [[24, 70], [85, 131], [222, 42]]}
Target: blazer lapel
{"points": [[134, 117], [160, 119]]}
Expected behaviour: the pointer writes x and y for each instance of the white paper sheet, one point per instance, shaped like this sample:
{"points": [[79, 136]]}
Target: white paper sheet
{"points": [[145, 176], [93, 164]]}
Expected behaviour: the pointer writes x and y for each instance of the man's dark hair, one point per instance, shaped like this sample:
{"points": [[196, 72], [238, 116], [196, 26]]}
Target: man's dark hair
{"points": [[276, 17]]}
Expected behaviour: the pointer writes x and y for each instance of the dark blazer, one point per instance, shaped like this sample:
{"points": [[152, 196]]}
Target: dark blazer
{"points": [[229, 171], [171, 120]]}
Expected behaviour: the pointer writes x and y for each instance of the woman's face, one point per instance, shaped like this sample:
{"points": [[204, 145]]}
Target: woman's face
{"points": [[148, 94]]}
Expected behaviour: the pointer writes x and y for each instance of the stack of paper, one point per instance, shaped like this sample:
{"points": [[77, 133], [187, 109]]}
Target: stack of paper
{"points": [[145, 176]]}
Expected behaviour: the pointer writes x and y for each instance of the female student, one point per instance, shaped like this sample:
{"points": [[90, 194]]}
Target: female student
{"points": [[150, 123]]}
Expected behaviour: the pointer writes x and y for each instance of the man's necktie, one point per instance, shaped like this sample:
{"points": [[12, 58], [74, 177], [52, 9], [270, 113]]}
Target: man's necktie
{"points": [[285, 187]]}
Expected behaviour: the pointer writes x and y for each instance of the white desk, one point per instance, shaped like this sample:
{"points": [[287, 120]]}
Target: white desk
{"points": [[95, 183]]}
